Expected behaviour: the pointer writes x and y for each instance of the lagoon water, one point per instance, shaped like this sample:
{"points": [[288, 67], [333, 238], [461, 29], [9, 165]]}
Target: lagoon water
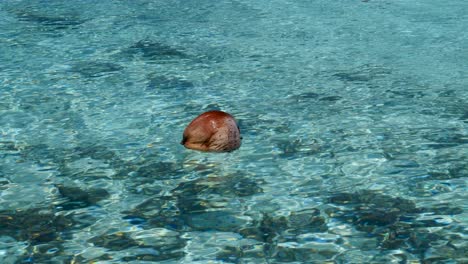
{"points": [[354, 116]]}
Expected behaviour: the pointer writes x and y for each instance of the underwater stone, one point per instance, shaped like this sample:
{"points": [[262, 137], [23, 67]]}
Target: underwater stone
{"points": [[446, 138], [231, 185], [297, 148], [369, 211], [4, 182], [352, 77], [160, 170], [455, 172], [332, 98], [267, 229], [149, 245], [291, 251], [152, 50], [35, 225], [164, 82], [93, 69], [47, 251], [367, 220], [191, 202], [152, 255], [396, 222], [54, 105], [47, 20], [215, 220], [159, 237], [78, 198], [134, 220], [363, 73], [421, 240], [53, 22], [196, 205], [212, 106], [86, 259], [95, 152], [53, 255], [116, 241], [151, 207], [307, 221], [8, 146], [444, 209], [373, 198], [464, 117], [248, 253], [159, 211], [305, 96], [282, 228], [144, 186]]}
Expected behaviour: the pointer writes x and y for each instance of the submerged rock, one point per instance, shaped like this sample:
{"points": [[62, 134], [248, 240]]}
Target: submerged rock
{"points": [[79, 198], [219, 220], [231, 185], [200, 204], [59, 22], [464, 117], [282, 229], [297, 148], [369, 210], [34, 225], [304, 252], [93, 69], [168, 82], [55, 22], [154, 51], [250, 253], [95, 152], [332, 98], [445, 138], [116, 241], [267, 229], [396, 222], [159, 170], [363, 73], [147, 245], [7, 147], [159, 211], [307, 96]]}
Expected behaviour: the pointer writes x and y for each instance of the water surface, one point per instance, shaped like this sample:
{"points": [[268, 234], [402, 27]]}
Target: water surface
{"points": [[354, 118]]}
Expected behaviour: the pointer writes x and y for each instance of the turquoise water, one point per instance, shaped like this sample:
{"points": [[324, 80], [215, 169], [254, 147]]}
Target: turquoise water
{"points": [[354, 119]]}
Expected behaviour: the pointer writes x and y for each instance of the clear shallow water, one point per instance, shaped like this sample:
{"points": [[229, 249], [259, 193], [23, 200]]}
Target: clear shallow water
{"points": [[354, 119]]}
